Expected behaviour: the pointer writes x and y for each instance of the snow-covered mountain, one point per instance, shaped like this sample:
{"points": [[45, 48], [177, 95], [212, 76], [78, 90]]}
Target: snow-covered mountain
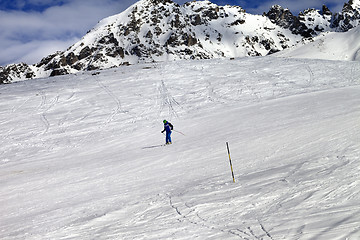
{"points": [[161, 30], [326, 46]]}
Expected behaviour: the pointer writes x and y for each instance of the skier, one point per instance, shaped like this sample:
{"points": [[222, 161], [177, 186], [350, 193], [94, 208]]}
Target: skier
{"points": [[167, 127]]}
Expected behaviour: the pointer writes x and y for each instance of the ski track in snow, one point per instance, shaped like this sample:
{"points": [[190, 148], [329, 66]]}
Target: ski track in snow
{"points": [[82, 156], [116, 110], [167, 101]]}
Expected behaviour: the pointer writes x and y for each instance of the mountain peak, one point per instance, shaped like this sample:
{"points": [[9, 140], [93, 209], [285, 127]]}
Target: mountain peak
{"points": [[325, 10]]}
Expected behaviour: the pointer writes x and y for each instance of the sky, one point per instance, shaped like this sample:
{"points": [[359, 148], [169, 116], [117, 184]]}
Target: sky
{"points": [[33, 29]]}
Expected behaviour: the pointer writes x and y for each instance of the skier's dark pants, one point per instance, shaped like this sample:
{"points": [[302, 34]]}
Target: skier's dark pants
{"points": [[168, 137]]}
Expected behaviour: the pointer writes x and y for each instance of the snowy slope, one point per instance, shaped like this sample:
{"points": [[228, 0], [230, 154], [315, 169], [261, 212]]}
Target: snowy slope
{"points": [[80, 155], [330, 46]]}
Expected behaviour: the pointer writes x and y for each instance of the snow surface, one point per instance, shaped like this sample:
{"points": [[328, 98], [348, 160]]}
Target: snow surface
{"points": [[80, 156], [331, 46]]}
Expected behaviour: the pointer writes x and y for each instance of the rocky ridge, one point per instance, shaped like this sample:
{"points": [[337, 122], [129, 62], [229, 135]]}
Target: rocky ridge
{"points": [[161, 30]]}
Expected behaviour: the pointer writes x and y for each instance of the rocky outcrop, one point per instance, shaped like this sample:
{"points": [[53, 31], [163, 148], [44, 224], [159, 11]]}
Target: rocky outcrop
{"points": [[311, 22], [348, 18], [16, 71], [284, 18]]}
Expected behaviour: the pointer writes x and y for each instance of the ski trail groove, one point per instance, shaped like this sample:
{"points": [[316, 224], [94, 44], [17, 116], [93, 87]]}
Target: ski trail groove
{"points": [[167, 100], [45, 122], [71, 96], [200, 221], [185, 217], [21, 105], [311, 75], [43, 99], [43, 118], [43, 114], [118, 108], [265, 231]]}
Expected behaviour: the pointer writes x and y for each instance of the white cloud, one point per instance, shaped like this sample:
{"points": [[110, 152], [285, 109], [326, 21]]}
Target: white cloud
{"points": [[30, 36], [32, 52]]}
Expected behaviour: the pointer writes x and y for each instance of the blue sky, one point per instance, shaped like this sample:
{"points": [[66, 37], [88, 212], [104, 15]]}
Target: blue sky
{"points": [[33, 29]]}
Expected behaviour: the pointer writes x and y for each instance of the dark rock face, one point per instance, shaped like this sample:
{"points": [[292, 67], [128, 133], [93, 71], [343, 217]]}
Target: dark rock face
{"points": [[3, 76], [21, 70], [156, 2], [47, 59], [71, 58], [85, 52], [326, 11], [58, 71], [347, 19], [284, 18]]}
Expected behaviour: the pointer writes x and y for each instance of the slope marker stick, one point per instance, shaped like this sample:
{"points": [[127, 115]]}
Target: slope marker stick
{"points": [[232, 172]]}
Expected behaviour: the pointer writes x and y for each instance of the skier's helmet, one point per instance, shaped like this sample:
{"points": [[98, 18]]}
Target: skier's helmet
{"points": [[164, 121]]}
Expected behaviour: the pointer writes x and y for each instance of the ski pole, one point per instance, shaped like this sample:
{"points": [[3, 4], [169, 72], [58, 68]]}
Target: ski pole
{"points": [[232, 172], [179, 132]]}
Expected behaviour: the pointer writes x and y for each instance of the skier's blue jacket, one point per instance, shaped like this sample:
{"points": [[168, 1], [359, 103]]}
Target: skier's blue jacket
{"points": [[168, 127]]}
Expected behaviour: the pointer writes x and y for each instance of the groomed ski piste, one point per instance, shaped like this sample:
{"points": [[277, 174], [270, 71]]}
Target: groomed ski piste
{"points": [[79, 155]]}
